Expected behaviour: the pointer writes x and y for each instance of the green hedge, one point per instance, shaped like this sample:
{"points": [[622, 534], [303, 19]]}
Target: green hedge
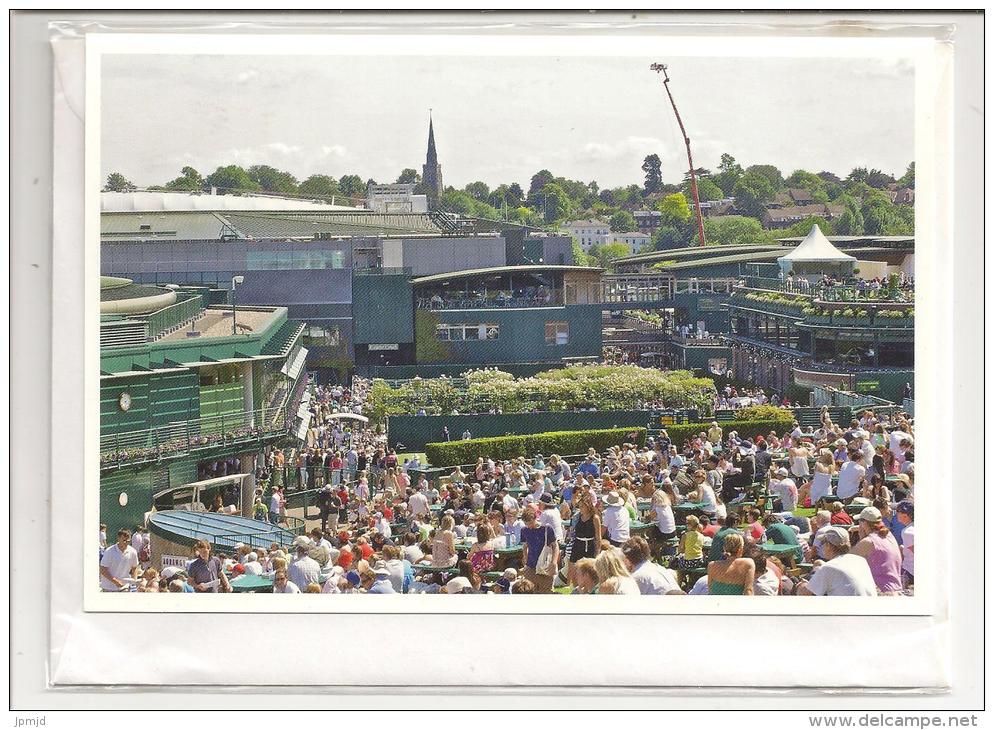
{"points": [[450, 453], [680, 434]]}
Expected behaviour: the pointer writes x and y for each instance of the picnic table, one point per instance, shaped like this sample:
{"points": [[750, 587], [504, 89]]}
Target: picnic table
{"points": [[504, 557], [780, 550], [251, 584]]}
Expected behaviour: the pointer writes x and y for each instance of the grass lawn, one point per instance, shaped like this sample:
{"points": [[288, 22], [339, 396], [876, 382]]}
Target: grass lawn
{"points": [[805, 512], [408, 455]]}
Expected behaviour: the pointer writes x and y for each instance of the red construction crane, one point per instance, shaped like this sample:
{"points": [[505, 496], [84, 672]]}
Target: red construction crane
{"points": [[657, 67]]}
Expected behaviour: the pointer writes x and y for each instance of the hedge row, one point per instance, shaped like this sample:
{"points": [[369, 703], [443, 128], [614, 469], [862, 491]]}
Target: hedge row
{"points": [[682, 433], [450, 453]]}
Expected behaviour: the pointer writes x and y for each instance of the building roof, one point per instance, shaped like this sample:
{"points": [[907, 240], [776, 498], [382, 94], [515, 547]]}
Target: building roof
{"points": [[815, 247], [693, 252], [729, 257], [342, 223], [575, 224], [143, 201], [529, 269], [800, 212], [163, 225]]}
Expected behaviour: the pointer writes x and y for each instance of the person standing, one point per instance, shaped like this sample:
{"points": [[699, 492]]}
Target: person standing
{"points": [[206, 573], [906, 516], [534, 539], [119, 564]]}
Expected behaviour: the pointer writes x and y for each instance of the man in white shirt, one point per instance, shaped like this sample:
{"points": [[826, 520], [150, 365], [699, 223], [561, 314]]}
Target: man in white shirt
{"points": [[382, 526], [617, 521], [844, 574], [895, 438], [319, 540], [304, 570], [851, 477], [652, 579], [119, 565], [906, 516], [785, 488], [550, 516], [507, 501], [821, 522], [252, 565], [418, 503]]}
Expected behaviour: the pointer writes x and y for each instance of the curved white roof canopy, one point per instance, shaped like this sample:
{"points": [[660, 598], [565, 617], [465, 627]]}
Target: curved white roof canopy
{"points": [[170, 201]]}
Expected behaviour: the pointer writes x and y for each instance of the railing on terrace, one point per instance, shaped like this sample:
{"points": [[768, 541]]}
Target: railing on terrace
{"points": [[491, 301], [825, 395], [381, 270], [862, 291], [184, 437], [171, 318], [710, 341]]}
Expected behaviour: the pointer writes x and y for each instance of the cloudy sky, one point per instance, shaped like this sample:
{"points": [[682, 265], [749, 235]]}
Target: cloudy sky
{"points": [[499, 119]]}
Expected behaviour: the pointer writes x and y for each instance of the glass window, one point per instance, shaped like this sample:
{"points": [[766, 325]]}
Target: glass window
{"points": [[473, 331], [442, 332], [557, 333]]}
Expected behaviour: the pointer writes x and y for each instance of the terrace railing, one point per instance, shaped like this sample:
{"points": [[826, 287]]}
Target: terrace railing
{"points": [[169, 319], [186, 437]]}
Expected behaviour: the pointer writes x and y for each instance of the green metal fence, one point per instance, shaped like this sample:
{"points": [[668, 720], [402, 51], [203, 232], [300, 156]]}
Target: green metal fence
{"points": [[172, 317]]}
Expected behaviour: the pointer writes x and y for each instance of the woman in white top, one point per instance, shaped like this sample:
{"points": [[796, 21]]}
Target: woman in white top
{"points": [[799, 461], [663, 500], [613, 575], [851, 477], [821, 486]]}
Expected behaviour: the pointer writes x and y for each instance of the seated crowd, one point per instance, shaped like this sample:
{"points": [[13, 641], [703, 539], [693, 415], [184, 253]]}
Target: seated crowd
{"points": [[827, 511]]}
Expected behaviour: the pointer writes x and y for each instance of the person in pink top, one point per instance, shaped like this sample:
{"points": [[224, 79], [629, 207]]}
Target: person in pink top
{"points": [[881, 551]]}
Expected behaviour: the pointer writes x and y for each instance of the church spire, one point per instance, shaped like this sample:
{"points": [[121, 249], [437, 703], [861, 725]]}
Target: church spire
{"points": [[432, 171]]}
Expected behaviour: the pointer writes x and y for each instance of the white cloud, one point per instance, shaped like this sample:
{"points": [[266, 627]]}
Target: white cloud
{"points": [[622, 150]]}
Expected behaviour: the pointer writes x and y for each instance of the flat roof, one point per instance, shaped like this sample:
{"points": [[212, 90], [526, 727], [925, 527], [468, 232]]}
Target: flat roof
{"points": [[527, 269], [696, 251], [216, 322]]}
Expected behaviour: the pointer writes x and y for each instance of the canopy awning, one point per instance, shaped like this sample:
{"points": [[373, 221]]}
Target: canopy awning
{"points": [[815, 248]]}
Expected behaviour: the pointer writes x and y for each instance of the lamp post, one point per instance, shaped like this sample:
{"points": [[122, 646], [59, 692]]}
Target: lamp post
{"points": [[235, 281]]}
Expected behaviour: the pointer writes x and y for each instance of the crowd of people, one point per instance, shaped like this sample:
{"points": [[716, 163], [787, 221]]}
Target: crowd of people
{"points": [[826, 511]]}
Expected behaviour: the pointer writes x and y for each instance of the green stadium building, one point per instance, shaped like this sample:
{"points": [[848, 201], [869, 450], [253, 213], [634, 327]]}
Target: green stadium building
{"points": [[189, 384]]}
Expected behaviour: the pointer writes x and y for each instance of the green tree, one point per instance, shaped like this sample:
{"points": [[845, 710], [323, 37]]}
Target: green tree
{"points": [[319, 186], [272, 180], [478, 190], [879, 179], [652, 167], [857, 175], [579, 257], [730, 230], [118, 183], [539, 180], [907, 180], [850, 223], [515, 194], [623, 222], [189, 180], [675, 209], [670, 236], [771, 173], [879, 215], [803, 228], [729, 172], [752, 192], [407, 176], [555, 203], [706, 190], [352, 186], [231, 179], [608, 252]]}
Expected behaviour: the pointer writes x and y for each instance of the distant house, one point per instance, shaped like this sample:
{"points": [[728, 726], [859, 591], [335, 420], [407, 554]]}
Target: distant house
{"points": [[647, 221], [589, 233], [788, 216], [791, 198], [902, 196], [718, 208]]}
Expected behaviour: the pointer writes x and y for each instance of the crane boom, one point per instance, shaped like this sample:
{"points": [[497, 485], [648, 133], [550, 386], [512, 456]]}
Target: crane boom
{"points": [[657, 67]]}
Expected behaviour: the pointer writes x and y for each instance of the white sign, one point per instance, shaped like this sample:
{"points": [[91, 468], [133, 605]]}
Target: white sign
{"points": [[384, 347], [174, 561]]}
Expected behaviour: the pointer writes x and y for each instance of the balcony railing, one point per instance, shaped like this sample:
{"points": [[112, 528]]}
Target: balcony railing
{"points": [[498, 300], [185, 437], [863, 291]]}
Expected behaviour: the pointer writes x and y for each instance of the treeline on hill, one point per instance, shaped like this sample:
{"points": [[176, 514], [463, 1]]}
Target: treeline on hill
{"points": [[549, 201]]}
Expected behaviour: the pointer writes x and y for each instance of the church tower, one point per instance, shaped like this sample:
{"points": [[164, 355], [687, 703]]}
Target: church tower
{"points": [[431, 173]]}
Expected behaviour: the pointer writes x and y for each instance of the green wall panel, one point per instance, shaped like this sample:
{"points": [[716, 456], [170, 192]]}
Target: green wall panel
{"points": [[521, 338], [382, 309]]}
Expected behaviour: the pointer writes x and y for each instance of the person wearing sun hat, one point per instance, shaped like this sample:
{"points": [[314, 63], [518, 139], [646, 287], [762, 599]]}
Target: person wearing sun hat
{"points": [[381, 579], [881, 551], [616, 520], [843, 573]]}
